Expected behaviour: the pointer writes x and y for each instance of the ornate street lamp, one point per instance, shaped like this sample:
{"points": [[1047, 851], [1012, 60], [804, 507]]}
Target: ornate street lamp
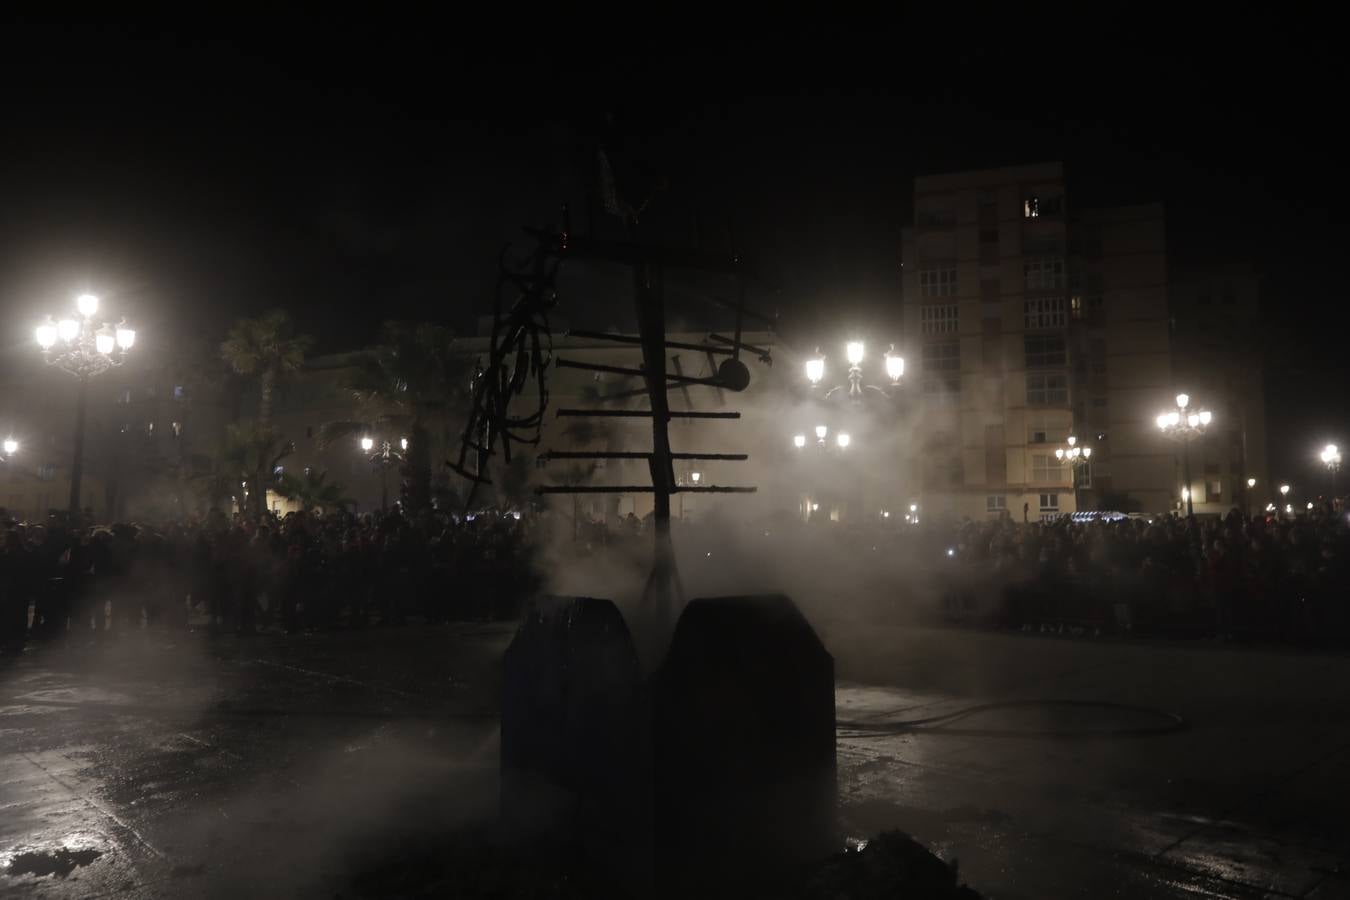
{"points": [[1077, 457], [855, 352], [384, 458], [1184, 423], [1331, 458], [11, 447], [85, 349]]}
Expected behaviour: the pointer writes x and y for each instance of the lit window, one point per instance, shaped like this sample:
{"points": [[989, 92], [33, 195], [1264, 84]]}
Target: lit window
{"points": [[938, 319], [1031, 207], [177, 429], [995, 503], [1049, 502], [937, 282], [1043, 312], [46, 473], [1044, 351], [1043, 273], [1047, 389], [149, 429]]}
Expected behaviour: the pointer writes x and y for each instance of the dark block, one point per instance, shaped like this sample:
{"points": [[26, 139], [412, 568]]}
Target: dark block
{"points": [[699, 781], [744, 740], [576, 739]]}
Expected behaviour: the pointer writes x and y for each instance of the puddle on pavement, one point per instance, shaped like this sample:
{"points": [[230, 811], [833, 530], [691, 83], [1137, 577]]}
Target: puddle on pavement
{"points": [[60, 862]]}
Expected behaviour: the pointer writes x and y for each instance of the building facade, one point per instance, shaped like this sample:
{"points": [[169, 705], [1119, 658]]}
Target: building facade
{"points": [[1029, 322]]}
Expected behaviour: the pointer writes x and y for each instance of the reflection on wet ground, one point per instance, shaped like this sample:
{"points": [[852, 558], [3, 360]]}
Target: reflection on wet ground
{"points": [[188, 766]]}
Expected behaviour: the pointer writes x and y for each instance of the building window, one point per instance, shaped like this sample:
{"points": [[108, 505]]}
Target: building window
{"points": [[936, 217], [1045, 469], [937, 282], [124, 396], [997, 503], [938, 319], [1047, 389], [1044, 273], [1049, 502], [1215, 489], [149, 429], [1031, 207], [988, 235], [1043, 312], [1044, 351], [178, 392], [1085, 475], [177, 429], [942, 389], [46, 473], [942, 357]]}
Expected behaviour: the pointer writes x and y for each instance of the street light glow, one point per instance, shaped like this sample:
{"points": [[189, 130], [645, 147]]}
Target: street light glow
{"points": [[125, 337], [895, 367], [854, 351], [403, 443], [1185, 493], [799, 441], [1284, 490], [1251, 482], [103, 342], [68, 329], [815, 369], [11, 446], [87, 304], [46, 334], [843, 439], [821, 431], [1183, 400], [1206, 417], [367, 443], [695, 476]]}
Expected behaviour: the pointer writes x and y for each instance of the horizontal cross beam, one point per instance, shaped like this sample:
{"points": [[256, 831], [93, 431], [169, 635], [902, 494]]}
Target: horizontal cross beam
{"points": [[636, 454]]}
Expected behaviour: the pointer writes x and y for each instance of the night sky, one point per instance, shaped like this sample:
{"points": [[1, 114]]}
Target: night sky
{"points": [[358, 171]]}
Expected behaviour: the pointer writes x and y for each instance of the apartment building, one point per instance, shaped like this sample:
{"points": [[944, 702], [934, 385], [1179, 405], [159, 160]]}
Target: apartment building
{"points": [[1029, 322]]}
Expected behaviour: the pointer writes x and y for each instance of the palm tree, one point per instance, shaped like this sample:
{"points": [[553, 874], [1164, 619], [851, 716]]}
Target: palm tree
{"points": [[269, 348], [405, 380], [314, 490], [255, 455]]}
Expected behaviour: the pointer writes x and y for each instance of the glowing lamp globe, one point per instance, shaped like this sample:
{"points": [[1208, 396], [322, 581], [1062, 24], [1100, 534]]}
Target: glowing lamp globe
{"points": [[1284, 490], [46, 334], [367, 444], [1183, 400], [68, 329], [104, 342], [403, 443], [854, 351], [799, 441], [1193, 420], [125, 337], [895, 367], [11, 446], [843, 440], [87, 304], [1087, 452], [1206, 417], [695, 476], [815, 369], [821, 431]]}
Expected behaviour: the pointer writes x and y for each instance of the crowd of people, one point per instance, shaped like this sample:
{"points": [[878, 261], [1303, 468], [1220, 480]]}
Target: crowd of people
{"points": [[1271, 577], [230, 574], [1267, 576]]}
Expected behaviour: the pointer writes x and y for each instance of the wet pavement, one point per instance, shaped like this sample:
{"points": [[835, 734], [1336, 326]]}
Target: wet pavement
{"points": [[170, 766]]}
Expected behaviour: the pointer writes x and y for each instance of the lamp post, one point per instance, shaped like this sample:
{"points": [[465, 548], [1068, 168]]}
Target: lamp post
{"points": [[1077, 457], [856, 388], [84, 349], [383, 459], [1184, 423], [1331, 458]]}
